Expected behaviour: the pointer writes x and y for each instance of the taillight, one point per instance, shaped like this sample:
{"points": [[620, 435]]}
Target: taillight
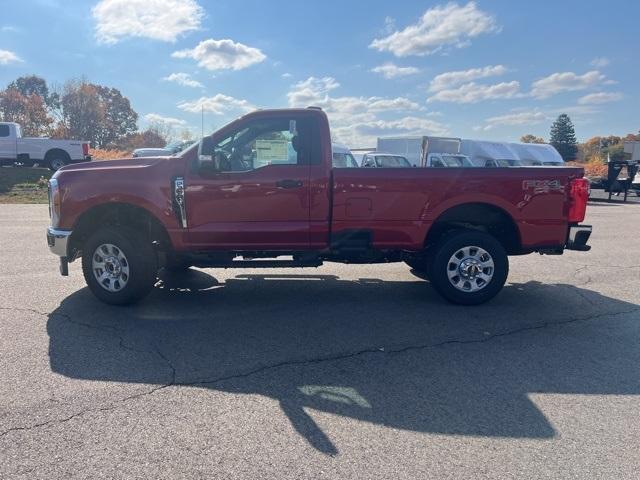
{"points": [[578, 198], [85, 149]]}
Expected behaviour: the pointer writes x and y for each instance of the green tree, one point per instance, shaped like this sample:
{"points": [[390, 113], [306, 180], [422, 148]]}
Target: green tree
{"points": [[530, 138], [563, 137], [34, 85]]}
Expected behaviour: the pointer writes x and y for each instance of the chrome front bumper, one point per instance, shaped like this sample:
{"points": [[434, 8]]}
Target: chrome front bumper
{"points": [[58, 241], [578, 238]]}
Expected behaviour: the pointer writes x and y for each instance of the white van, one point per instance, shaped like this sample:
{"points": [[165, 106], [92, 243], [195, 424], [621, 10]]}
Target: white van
{"points": [[539, 154], [342, 157], [483, 153]]}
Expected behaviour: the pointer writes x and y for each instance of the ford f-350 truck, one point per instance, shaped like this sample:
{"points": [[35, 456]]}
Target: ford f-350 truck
{"points": [[262, 193], [51, 153]]}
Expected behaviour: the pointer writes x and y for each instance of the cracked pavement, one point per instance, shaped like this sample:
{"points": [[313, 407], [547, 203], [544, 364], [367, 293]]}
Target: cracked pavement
{"points": [[336, 372]]}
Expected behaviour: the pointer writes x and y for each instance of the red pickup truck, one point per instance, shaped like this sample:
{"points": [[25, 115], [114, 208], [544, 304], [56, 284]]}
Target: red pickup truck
{"points": [[262, 193]]}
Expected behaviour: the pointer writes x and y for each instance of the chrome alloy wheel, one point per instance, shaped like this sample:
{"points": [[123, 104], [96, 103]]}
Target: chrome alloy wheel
{"points": [[470, 269], [110, 267]]}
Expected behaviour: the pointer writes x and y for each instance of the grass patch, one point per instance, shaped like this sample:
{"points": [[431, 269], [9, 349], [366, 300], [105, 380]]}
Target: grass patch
{"points": [[24, 185]]}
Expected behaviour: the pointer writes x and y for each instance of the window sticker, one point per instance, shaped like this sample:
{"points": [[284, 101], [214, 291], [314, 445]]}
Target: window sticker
{"points": [[272, 151]]}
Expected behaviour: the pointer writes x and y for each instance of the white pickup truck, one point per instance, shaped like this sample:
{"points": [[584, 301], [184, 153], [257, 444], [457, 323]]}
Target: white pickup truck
{"points": [[55, 154]]}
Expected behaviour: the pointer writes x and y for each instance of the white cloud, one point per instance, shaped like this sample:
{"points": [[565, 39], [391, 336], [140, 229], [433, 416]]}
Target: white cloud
{"points": [[364, 134], [163, 20], [448, 80], [600, 62], [218, 104], [390, 70], [183, 79], [600, 98], [474, 93], [10, 29], [152, 118], [567, 82], [222, 55], [449, 25], [286, 75], [316, 92], [311, 90], [7, 57], [355, 120], [519, 118]]}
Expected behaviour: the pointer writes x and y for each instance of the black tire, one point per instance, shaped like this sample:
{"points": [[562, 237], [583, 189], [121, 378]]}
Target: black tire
{"points": [[56, 163], [142, 264], [439, 267]]}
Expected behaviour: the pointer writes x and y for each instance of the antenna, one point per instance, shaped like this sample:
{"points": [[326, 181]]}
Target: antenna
{"points": [[202, 128]]}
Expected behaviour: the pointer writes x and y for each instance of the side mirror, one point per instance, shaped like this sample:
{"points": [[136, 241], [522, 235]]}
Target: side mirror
{"points": [[206, 151]]}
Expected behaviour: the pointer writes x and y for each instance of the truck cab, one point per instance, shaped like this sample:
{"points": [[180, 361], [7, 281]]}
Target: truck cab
{"points": [[9, 134]]}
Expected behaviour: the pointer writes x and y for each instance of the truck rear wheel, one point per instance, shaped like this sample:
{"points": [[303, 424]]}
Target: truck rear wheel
{"points": [[56, 163], [468, 267], [119, 265]]}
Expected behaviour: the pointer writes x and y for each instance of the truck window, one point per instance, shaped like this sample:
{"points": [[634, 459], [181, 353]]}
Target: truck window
{"points": [[4, 131], [277, 141]]}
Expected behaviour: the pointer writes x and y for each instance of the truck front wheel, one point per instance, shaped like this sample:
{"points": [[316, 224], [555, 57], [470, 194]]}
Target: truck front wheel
{"points": [[119, 265], [468, 267]]}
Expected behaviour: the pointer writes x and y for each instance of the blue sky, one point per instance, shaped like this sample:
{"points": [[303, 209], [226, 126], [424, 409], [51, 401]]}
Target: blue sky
{"points": [[487, 69]]}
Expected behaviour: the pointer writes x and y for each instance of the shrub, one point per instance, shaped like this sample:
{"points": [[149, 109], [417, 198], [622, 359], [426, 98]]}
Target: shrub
{"points": [[100, 154]]}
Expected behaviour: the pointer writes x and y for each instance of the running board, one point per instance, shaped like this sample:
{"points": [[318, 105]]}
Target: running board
{"points": [[265, 264]]}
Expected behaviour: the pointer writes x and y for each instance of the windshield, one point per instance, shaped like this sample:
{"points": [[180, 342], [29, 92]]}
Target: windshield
{"points": [[389, 161], [456, 161], [182, 147], [344, 160]]}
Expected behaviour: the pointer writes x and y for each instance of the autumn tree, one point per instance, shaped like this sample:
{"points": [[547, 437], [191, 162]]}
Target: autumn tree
{"points": [[148, 138], [29, 110], [529, 138], [563, 137], [99, 114]]}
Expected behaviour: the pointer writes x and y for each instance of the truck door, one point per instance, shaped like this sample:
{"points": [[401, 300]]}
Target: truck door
{"points": [[255, 192], [7, 143]]}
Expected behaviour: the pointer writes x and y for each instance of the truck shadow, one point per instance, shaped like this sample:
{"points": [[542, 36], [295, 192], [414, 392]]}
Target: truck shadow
{"points": [[384, 352]]}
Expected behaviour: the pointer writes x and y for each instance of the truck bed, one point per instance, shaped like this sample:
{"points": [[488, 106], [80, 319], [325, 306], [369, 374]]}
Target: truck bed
{"points": [[399, 205]]}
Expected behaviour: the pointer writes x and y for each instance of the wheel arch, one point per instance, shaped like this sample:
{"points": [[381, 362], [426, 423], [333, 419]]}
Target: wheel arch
{"points": [[116, 214], [486, 217], [52, 152]]}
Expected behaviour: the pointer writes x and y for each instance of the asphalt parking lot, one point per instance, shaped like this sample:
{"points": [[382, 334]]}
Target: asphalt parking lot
{"points": [[336, 372]]}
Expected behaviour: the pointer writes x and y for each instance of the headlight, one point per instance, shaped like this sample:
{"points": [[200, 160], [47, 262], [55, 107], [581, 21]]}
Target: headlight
{"points": [[54, 202]]}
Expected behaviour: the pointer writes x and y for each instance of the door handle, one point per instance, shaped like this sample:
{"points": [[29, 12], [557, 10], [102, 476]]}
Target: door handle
{"points": [[288, 183]]}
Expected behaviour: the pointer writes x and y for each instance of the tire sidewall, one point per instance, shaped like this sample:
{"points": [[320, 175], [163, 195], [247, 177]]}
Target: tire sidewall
{"points": [[54, 160], [140, 256], [450, 244]]}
